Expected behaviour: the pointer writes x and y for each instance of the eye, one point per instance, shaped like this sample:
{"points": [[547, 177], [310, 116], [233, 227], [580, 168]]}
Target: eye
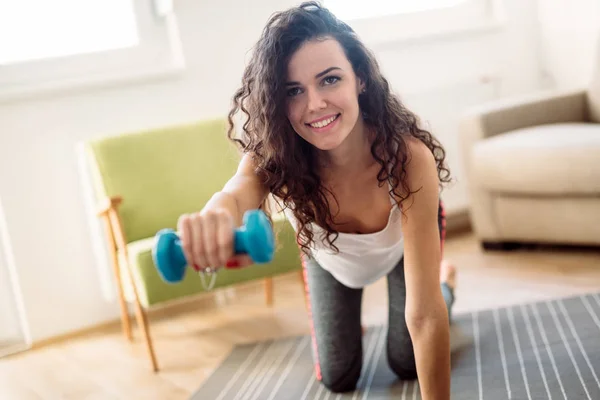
{"points": [[293, 91], [330, 80]]}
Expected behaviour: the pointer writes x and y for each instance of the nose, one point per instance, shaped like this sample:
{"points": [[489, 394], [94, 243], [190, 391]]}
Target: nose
{"points": [[316, 100]]}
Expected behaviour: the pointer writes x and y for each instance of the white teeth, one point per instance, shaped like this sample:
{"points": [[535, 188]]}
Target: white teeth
{"points": [[323, 123]]}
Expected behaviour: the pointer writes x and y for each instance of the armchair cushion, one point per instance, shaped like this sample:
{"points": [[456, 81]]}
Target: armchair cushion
{"points": [[545, 159]]}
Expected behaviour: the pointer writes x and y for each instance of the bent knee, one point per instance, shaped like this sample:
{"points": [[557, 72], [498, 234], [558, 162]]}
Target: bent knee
{"points": [[340, 383], [340, 378], [404, 369]]}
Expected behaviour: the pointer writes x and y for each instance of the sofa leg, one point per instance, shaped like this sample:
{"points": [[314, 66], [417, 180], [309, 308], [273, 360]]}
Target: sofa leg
{"points": [[500, 246]]}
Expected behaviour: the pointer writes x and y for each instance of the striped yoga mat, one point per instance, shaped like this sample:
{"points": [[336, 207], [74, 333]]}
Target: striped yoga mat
{"points": [[541, 350]]}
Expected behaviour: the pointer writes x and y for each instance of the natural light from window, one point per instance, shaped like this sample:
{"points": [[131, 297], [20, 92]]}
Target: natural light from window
{"points": [[40, 29], [354, 9]]}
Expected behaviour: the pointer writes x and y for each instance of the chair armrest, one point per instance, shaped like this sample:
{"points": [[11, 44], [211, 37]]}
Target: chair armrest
{"points": [[108, 204], [524, 111], [109, 211]]}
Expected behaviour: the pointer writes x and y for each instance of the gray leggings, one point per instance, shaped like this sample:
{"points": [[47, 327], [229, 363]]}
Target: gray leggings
{"points": [[335, 311]]}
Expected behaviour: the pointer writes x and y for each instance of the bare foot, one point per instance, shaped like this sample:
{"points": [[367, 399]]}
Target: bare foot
{"points": [[448, 273]]}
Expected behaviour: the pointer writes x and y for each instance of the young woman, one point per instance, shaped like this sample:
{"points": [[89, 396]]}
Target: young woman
{"points": [[358, 179]]}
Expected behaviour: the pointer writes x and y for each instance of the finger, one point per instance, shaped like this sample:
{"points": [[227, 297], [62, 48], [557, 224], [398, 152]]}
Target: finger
{"points": [[184, 229], [209, 231], [224, 238], [239, 261], [197, 242]]}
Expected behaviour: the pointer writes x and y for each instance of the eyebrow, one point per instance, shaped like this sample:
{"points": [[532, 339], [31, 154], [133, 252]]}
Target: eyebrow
{"points": [[320, 74]]}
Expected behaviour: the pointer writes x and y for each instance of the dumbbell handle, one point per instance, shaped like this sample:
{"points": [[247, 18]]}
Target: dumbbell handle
{"points": [[177, 249], [254, 238]]}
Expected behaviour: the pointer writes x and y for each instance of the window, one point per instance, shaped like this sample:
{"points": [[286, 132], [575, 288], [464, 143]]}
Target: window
{"points": [[392, 21], [33, 30], [352, 10], [47, 46]]}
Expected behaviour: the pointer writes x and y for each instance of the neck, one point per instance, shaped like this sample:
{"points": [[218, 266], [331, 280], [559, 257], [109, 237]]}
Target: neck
{"points": [[354, 154]]}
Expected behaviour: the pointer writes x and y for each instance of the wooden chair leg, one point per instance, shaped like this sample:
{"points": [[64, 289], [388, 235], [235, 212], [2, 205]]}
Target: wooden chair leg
{"points": [[139, 311], [125, 322], [269, 291]]}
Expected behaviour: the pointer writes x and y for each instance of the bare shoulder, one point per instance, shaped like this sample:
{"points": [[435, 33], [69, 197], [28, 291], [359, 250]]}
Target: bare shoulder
{"points": [[421, 177], [421, 162]]}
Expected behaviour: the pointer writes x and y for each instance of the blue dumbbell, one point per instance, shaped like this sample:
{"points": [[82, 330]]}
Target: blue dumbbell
{"points": [[254, 237]]}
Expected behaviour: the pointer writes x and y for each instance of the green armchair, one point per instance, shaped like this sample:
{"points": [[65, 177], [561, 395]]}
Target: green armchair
{"points": [[143, 182]]}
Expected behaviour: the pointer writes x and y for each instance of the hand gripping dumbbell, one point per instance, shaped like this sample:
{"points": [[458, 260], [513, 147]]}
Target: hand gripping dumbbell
{"points": [[254, 237]]}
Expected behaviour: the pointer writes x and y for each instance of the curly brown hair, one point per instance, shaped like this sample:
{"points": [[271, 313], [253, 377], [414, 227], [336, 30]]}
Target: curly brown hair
{"points": [[285, 161]]}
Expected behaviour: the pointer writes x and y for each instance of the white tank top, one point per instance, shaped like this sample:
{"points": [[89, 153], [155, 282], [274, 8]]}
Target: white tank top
{"points": [[362, 258]]}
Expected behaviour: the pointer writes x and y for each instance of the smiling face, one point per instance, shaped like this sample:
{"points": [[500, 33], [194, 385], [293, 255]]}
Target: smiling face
{"points": [[322, 94]]}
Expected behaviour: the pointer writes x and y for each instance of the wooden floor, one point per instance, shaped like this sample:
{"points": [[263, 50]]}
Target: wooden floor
{"points": [[192, 339]]}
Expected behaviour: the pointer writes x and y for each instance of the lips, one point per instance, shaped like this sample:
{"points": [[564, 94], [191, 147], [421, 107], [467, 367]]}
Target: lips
{"points": [[323, 122]]}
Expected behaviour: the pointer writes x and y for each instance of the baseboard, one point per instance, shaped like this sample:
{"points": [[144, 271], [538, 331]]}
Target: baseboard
{"points": [[111, 325], [8, 348]]}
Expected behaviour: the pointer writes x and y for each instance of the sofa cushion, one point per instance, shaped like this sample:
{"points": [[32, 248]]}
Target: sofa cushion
{"points": [[546, 159]]}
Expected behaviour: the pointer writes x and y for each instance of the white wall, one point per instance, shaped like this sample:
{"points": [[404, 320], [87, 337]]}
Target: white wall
{"points": [[570, 33], [13, 328], [39, 182], [10, 329]]}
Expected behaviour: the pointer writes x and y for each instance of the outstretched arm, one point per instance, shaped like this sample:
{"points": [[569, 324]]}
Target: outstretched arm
{"points": [[206, 236], [426, 313], [241, 193]]}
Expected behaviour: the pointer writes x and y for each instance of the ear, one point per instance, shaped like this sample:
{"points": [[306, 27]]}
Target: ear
{"points": [[361, 86]]}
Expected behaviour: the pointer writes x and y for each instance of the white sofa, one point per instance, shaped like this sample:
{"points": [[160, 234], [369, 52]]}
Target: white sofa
{"points": [[532, 167]]}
